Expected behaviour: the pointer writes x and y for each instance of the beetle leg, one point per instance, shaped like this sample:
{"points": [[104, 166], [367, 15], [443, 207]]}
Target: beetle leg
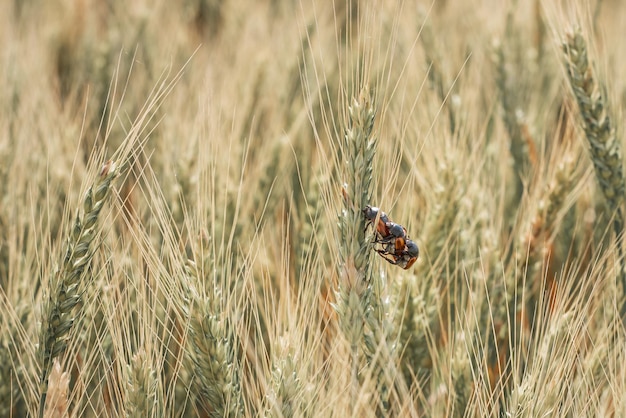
{"points": [[388, 256]]}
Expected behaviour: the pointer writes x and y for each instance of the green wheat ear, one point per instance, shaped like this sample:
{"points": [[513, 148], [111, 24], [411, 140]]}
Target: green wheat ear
{"points": [[65, 288], [604, 147], [353, 298], [142, 383], [359, 306], [354, 295], [212, 345]]}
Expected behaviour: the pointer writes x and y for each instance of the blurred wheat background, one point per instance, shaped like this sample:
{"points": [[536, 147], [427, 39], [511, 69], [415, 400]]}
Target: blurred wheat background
{"points": [[181, 195]]}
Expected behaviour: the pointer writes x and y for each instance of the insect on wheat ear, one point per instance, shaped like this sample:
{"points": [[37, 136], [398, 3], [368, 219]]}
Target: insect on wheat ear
{"points": [[412, 248], [413, 252], [371, 214], [391, 240]]}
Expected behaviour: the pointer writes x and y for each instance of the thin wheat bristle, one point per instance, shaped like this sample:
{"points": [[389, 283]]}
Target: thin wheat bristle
{"points": [[536, 243], [525, 396]]}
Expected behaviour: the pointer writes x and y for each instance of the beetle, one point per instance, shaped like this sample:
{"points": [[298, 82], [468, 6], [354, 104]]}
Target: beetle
{"points": [[395, 239], [371, 214], [391, 240], [404, 258]]}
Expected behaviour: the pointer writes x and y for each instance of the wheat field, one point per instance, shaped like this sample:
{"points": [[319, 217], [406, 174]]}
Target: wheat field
{"points": [[182, 195]]}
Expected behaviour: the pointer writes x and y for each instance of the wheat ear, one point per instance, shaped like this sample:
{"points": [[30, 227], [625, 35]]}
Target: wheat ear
{"points": [[141, 387], [65, 287], [285, 396], [359, 304], [212, 342], [355, 290], [605, 148], [513, 117]]}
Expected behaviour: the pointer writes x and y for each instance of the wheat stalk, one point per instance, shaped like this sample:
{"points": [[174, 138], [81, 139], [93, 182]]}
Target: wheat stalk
{"points": [[355, 277]]}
